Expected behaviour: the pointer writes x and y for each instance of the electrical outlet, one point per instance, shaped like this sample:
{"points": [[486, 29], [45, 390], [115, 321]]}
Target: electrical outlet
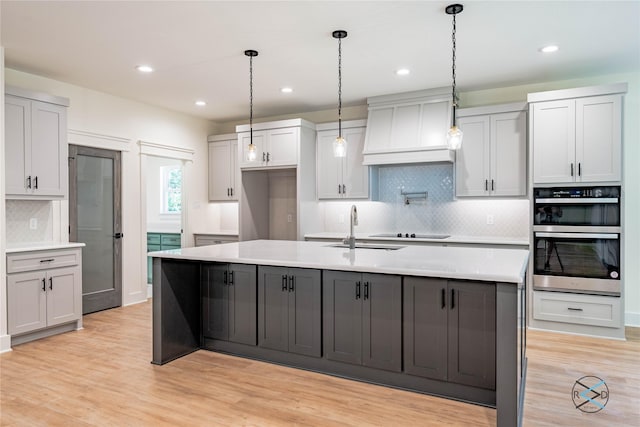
{"points": [[489, 219], [33, 223], [289, 218], [341, 219]]}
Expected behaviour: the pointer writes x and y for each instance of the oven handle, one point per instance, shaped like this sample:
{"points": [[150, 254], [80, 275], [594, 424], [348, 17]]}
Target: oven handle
{"points": [[576, 201], [607, 236]]}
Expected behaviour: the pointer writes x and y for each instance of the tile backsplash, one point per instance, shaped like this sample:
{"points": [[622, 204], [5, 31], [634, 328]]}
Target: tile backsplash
{"points": [[20, 214], [441, 212]]}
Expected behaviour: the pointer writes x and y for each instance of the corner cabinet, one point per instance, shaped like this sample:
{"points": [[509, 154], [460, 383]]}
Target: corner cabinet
{"points": [[342, 177], [363, 319], [229, 302], [576, 135], [223, 168], [289, 310], [44, 290], [36, 143], [450, 331], [493, 158]]}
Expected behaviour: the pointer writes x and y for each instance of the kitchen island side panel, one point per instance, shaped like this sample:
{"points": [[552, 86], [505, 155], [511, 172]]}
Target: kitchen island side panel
{"points": [[176, 309]]}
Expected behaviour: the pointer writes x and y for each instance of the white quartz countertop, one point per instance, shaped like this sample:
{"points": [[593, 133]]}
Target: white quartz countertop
{"points": [[485, 240], [40, 246], [493, 264]]}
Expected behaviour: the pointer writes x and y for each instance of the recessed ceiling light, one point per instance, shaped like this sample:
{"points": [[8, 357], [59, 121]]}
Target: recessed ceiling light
{"points": [[144, 69], [201, 103], [286, 90], [549, 49], [403, 72]]}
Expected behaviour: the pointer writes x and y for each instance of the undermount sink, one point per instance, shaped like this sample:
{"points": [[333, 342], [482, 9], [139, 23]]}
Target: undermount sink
{"points": [[367, 246]]}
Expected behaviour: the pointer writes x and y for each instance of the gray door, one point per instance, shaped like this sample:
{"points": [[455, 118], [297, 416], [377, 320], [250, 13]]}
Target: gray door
{"points": [[95, 219], [343, 316], [472, 334], [273, 297], [243, 304], [305, 295], [425, 327], [215, 301], [382, 321]]}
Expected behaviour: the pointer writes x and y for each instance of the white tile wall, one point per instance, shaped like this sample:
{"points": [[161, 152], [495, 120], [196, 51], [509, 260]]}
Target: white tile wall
{"points": [[20, 212], [440, 213]]}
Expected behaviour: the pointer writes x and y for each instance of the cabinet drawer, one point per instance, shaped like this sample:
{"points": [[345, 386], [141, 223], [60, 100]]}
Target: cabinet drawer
{"points": [[213, 240], [575, 308], [167, 247], [169, 239], [152, 248], [153, 238], [29, 261]]}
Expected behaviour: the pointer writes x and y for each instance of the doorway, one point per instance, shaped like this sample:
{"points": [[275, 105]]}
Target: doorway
{"points": [[95, 218]]}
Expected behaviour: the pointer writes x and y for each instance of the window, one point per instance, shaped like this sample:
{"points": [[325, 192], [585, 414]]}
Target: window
{"points": [[171, 189]]}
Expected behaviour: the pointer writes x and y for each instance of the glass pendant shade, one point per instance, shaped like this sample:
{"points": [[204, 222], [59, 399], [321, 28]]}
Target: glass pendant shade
{"points": [[251, 153], [454, 138], [340, 147]]}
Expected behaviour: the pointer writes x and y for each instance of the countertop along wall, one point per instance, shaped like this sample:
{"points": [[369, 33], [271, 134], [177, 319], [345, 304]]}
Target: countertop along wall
{"points": [[126, 122]]}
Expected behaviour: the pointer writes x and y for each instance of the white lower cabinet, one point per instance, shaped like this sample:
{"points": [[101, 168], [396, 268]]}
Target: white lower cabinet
{"points": [[593, 310], [45, 295]]}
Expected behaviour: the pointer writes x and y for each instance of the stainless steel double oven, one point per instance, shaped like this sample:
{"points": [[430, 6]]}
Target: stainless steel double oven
{"points": [[576, 232]]}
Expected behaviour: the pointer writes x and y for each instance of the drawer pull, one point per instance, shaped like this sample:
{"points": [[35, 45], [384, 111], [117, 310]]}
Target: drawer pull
{"points": [[47, 260], [574, 309]]}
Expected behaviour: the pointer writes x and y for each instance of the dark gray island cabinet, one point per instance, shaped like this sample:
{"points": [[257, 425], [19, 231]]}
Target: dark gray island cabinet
{"points": [[411, 318]]}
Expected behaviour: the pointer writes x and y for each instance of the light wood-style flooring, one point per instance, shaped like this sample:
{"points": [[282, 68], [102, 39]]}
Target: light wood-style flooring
{"points": [[101, 376]]}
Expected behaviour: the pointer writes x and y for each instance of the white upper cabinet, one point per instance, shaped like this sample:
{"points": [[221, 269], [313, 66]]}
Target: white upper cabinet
{"points": [[276, 147], [35, 145], [342, 177], [492, 159], [577, 138], [408, 128], [223, 168]]}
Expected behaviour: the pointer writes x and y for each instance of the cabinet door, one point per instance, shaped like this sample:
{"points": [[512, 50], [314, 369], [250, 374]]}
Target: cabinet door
{"points": [[305, 300], [282, 147], [329, 168], [425, 327], [26, 302], [219, 171], [599, 138], [472, 160], [382, 321], [48, 149], [64, 298], [472, 334], [342, 316], [259, 141], [215, 301], [554, 140], [17, 113], [508, 154], [355, 176], [273, 312], [243, 304], [234, 176]]}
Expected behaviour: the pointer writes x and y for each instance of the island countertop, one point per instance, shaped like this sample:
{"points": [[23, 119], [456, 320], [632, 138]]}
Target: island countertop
{"points": [[496, 265]]}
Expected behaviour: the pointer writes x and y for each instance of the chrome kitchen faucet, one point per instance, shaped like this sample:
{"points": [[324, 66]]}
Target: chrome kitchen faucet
{"points": [[351, 238]]}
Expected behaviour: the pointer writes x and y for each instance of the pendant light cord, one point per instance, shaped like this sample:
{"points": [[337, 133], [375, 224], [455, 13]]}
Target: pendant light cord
{"points": [[453, 70], [340, 87], [251, 99]]}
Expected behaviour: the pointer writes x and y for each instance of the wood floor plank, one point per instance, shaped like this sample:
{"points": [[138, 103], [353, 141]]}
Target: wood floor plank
{"points": [[102, 376]]}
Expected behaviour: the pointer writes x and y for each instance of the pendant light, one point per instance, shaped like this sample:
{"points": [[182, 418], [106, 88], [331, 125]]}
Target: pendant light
{"points": [[251, 153], [340, 144], [454, 136]]}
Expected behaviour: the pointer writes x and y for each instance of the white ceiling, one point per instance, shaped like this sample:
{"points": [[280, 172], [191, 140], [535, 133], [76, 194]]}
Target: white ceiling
{"points": [[197, 48]]}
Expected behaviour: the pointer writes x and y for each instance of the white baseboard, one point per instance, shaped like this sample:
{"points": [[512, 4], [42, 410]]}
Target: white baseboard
{"points": [[5, 343], [632, 319]]}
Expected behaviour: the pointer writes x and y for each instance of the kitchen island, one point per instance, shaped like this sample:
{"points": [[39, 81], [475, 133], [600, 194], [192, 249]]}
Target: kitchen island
{"points": [[447, 321]]}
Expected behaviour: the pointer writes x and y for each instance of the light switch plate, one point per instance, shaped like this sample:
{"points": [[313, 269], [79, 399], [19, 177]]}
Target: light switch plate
{"points": [[33, 223]]}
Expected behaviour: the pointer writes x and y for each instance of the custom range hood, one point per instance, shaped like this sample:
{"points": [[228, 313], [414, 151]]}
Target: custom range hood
{"points": [[409, 127]]}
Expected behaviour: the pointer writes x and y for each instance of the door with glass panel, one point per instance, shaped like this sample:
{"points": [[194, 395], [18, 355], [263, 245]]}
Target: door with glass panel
{"points": [[95, 219]]}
